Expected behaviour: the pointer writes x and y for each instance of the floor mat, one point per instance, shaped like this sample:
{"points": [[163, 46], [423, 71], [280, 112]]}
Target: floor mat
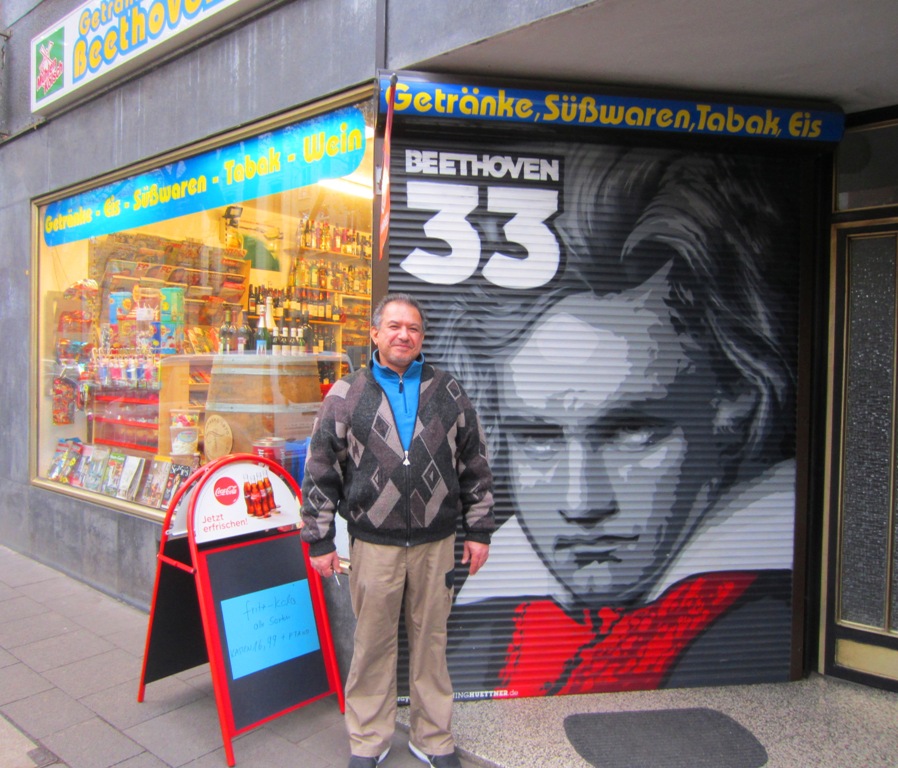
{"points": [[664, 738]]}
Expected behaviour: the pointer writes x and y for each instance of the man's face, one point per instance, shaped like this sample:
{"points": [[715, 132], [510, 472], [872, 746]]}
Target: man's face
{"points": [[400, 336], [603, 410]]}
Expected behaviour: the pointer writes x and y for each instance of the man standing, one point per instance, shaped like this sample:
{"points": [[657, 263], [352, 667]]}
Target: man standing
{"points": [[398, 451]]}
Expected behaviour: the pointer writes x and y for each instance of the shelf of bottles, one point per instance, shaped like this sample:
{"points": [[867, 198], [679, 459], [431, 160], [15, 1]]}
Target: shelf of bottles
{"points": [[325, 304]]}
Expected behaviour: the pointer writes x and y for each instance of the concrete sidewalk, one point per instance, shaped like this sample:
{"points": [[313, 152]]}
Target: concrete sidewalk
{"points": [[70, 664]]}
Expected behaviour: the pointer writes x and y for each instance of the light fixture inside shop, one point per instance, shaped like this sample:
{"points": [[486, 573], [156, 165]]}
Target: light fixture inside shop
{"points": [[268, 231], [232, 215], [348, 186]]}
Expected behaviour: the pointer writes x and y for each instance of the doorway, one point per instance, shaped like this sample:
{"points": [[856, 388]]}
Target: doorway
{"points": [[861, 590]]}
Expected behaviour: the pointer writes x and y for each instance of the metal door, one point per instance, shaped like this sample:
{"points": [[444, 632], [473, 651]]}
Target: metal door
{"points": [[861, 594]]}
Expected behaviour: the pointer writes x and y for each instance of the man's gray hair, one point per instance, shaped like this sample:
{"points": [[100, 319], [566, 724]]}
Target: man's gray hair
{"points": [[401, 298]]}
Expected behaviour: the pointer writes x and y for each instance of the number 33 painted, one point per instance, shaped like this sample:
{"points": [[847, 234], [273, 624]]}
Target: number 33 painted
{"points": [[452, 203]]}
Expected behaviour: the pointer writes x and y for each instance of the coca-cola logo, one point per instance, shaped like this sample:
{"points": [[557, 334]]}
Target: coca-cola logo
{"points": [[226, 490]]}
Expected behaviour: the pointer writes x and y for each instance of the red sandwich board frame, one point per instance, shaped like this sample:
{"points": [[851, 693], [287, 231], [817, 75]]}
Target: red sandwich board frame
{"points": [[237, 590]]}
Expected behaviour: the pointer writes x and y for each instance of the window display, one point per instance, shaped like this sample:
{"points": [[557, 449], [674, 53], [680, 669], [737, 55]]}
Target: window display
{"points": [[203, 306]]}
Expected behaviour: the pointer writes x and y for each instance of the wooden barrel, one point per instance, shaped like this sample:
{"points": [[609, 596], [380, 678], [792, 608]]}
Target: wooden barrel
{"points": [[264, 396]]}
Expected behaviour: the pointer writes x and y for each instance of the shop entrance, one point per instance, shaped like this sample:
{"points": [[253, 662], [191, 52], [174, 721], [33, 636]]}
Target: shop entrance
{"points": [[862, 575]]}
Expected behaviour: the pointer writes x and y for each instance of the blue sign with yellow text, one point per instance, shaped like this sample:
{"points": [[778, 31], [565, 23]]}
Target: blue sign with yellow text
{"points": [[304, 153], [418, 98]]}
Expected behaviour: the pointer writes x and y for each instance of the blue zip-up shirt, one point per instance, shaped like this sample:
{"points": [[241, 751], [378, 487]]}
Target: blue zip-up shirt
{"points": [[355, 468], [402, 392]]}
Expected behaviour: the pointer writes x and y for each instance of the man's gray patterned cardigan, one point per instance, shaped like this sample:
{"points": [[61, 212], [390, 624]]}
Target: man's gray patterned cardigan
{"points": [[357, 467]]}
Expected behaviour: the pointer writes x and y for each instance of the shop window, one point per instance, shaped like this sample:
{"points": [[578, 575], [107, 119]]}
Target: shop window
{"points": [[202, 306], [867, 168]]}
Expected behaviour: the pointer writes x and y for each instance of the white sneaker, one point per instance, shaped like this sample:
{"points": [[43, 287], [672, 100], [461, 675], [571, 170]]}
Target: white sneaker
{"points": [[368, 762], [436, 761]]}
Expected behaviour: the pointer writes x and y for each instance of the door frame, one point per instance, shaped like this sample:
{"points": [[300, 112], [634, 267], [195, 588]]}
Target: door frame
{"points": [[850, 651]]}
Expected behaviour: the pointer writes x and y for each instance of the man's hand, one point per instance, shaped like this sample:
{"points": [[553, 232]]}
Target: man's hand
{"points": [[326, 565], [476, 554]]}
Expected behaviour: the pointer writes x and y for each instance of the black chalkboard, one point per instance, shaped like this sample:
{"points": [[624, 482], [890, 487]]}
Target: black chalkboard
{"points": [[176, 640], [272, 656], [247, 603]]}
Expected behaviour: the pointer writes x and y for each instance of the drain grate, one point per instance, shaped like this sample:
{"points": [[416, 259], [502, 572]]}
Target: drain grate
{"points": [[42, 757]]}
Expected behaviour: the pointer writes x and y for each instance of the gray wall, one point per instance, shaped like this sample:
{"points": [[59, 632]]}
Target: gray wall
{"points": [[290, 53], [460, 23], [270, 64]]}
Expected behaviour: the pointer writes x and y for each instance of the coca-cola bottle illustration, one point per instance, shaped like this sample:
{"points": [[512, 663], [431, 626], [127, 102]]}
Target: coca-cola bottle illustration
{"points": [[272, 505], [256, 496], [263, 492], [248, 497]]}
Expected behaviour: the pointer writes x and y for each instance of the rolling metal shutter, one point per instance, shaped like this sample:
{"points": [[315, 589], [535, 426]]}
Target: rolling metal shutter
{"points": [[625, 319]]}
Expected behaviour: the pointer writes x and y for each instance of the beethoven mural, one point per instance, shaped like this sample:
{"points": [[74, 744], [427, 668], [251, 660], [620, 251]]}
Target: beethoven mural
{"points": [[626, 321]]}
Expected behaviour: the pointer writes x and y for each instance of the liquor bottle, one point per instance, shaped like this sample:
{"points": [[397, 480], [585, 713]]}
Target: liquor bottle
{"points": [[263, 335], [278, 305], [251, 300], [351, 245], [291, 275], [270, 323], [269, 314], [307, 335], [241, 335], [322, 275], [295, 348], [284, 339], [307, 234], [227, 335], [245, 336]]}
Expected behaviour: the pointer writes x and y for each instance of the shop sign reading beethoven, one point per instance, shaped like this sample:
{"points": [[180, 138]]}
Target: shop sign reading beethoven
{"points": [[448, 185], [106, 39]]}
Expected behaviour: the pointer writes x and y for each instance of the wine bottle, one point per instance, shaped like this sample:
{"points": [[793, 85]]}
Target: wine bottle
{"points": [[227, 335], [263, 335], [282, 345], [308, 334], [251, 300], [245, 336], [295, 348]]}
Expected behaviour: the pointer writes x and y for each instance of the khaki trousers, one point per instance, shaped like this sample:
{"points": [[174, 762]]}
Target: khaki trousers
{"points": [[380, 579]]}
